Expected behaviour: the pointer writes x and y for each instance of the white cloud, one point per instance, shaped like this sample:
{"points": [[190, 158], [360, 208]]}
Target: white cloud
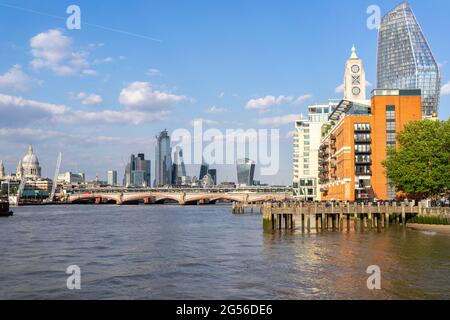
{"points": [[200, 121], [17, 111], [445, 90], [264, 104], [279, 121], [111, 117], [31, 135], [89, 99], [300, 100], [141, 96], [153, 72], [53, 50], [339, 88], [103, 61], [89, 73], [15, 80], [290, 134], [216, 110], [442, 64]]}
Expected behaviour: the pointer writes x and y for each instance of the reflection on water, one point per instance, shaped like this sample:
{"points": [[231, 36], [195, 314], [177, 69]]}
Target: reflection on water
{"points": [[171, 252]]}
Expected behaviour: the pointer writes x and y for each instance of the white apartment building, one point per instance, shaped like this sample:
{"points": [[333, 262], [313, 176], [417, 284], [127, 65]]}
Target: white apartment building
{"points": [[307, 137], [71, 178]]}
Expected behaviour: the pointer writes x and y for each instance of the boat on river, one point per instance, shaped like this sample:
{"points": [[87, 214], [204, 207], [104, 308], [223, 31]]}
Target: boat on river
{"points": [[4, 209]]}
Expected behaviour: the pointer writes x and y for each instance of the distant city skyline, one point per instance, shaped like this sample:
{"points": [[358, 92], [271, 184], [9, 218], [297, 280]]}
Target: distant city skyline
{"points": [[98, 96]]}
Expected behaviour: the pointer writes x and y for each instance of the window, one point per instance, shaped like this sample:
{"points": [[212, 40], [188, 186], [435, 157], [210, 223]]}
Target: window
{"points": [[390, 113], [390, 126], [391, 135]]}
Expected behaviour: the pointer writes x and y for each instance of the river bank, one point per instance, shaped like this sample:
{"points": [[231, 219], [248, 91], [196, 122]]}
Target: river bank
{"points": [[440, 229]]}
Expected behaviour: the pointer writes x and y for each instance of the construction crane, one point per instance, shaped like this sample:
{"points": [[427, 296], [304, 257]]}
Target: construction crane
{"points": [[51, 198]]}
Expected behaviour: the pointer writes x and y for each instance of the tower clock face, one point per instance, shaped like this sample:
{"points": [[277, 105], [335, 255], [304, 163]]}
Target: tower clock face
{"points": [[356, 91], [355, 68]]}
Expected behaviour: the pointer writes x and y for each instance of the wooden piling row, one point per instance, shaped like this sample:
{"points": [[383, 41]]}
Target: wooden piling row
{"points": [[343, 216]]}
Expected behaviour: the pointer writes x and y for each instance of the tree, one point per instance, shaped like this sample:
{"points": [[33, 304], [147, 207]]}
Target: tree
{"points": [[420, 166]]}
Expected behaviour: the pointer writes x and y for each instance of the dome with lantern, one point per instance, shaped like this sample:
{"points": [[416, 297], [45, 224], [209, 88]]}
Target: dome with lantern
{"points": [[29, 166]]}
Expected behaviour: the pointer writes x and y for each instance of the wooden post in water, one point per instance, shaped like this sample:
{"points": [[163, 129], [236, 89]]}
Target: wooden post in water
{"points": [[348, 216], [308, 218], [316, 220], [364, 217], [331, 216], [411, 212], [302, 217], [324, 216], [403, 215], [355, 215]]}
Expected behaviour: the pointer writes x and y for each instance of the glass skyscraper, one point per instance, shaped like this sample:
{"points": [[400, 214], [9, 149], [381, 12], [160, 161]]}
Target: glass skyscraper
{"points": [[405, 60], [163, 161], [138, 171], [178, 167], [245, 172]]}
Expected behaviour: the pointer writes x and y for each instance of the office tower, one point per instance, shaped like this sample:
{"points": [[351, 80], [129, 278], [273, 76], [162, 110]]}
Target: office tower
{"points": [[138, 171], [2, 170], [127, 175], [203, 170], [163, 161], [145, 166], [405, 60], [307, 136], [178, 167], [354, 148], [71, 178], [245, 171], [112, 178], [213, 174], [355, 78]]}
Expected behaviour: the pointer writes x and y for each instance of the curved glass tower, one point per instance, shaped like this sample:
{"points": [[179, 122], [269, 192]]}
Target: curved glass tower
{"points": [[405, 60], [245, 172]]}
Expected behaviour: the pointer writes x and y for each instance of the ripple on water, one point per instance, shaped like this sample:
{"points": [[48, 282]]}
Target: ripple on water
{"points": [[171, 252]]}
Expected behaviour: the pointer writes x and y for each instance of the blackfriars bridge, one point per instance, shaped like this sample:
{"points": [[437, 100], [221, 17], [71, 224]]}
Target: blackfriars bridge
{"points": [[180, 196]]}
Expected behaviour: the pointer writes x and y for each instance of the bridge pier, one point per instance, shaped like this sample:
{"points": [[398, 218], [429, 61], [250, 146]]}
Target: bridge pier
{"points": [[98, 200]]}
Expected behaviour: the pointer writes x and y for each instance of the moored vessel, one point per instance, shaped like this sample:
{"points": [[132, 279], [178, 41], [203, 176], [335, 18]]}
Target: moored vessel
{"points": [[4, 209]]}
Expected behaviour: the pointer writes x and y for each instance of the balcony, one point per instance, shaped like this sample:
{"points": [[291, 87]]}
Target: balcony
{"points": [[324, 170], [363, 162], [361, 151], [363, 140], [363, 173]]}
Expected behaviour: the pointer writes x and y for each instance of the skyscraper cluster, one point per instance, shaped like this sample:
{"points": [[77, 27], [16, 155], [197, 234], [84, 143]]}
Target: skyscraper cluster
{"points": [[138, 171]]}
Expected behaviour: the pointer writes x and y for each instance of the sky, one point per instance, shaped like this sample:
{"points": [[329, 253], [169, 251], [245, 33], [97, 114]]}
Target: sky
{"points": [[137, 67]]}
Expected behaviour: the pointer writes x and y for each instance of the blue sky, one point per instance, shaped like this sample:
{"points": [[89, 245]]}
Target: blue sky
{"points": [[99, 95]]}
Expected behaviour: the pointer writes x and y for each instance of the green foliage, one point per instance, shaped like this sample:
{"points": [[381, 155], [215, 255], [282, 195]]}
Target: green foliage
{"points": [[327, 128], [421, 166], [436, 220], [13, 191]]}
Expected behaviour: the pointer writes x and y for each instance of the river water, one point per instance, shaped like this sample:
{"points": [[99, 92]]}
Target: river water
{"points": [[205, 252]]}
